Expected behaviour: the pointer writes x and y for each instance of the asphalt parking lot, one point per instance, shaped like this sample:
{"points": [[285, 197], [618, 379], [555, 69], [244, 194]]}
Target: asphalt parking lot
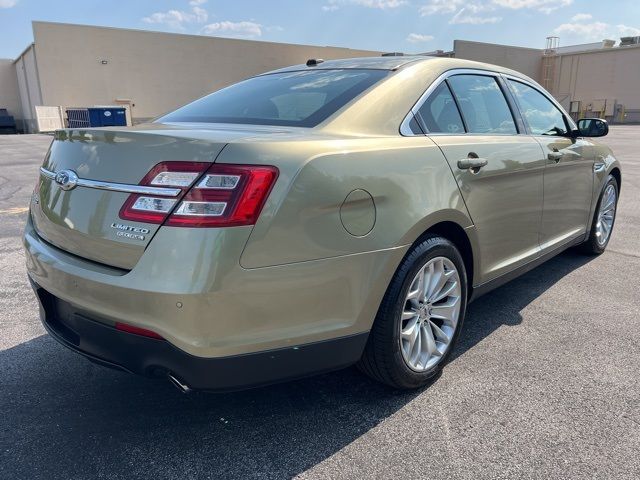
{"points": [[544, 383]]}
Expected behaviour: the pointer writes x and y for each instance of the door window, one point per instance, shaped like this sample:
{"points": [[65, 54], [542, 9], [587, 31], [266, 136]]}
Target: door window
{"points": [[483, 106], [439, 112], [540, 113]]}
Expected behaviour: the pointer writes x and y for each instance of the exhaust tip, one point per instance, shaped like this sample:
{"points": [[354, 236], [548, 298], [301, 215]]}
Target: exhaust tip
{"points": [[180, 385]]}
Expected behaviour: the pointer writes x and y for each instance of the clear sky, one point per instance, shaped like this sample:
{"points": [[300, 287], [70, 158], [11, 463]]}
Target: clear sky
{"points": [[387, 25]]}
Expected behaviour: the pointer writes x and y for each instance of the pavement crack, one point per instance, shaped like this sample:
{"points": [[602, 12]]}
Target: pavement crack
{"points": [[623, 253], [631, 418]]}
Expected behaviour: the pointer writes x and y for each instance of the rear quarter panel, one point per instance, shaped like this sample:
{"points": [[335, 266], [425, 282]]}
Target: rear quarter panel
{"points": [[408, 178]]}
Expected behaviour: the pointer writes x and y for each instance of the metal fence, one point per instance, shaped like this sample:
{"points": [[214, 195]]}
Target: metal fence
{"points": [[78, 118]]}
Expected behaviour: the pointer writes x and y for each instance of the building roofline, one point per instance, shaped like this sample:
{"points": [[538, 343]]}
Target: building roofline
{"points": [[191, 35], [496, 45], [596, 50], [27, 48]]}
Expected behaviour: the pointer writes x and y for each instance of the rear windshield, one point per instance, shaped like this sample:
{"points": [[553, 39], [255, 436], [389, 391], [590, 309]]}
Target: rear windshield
{"points": [[300, 99]]}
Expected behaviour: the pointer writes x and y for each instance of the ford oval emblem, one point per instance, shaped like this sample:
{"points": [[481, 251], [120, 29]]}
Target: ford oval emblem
{"points": [[66, 179]]}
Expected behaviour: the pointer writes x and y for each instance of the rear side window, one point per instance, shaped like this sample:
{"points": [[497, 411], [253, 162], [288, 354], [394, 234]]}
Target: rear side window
{"points": [[483, 106], [540, 113], [301, 99], [439, 112]]}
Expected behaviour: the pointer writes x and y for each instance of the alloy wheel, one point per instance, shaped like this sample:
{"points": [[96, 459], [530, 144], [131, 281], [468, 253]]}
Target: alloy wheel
{"points": [[430, 314], [606, 215]]}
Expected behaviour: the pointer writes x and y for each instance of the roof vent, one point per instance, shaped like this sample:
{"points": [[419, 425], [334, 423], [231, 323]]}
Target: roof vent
{"points": [[627, 41], [312, 62]]}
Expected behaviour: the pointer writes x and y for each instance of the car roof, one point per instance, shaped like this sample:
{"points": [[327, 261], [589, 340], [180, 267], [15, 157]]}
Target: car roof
{"points": [[370, 63], [392, 63]]}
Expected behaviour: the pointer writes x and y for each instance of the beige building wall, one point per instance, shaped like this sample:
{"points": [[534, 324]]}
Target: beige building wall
{"points": [[156, 72], [29, 86], [524, 60], [605, 82], [151, 72], [9, 93]]}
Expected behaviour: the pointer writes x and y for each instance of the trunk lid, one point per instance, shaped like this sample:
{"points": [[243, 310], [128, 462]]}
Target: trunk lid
{"points": [[85, 221]]}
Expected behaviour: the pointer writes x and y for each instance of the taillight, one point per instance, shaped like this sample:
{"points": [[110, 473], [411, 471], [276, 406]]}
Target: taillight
{"points": [[224, 195], [153, 209]]}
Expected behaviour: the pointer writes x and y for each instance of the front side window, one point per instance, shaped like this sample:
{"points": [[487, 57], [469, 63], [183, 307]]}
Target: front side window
{"points": [[483, 106], [300, 99], [439, 113], [541, 114]]}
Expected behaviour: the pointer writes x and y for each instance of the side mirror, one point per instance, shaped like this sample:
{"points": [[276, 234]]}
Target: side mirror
{"points": [[592, 127]]}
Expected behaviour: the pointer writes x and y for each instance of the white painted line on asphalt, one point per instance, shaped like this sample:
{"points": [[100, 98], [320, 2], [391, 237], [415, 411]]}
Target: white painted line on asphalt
{"points": [[14, 210]]}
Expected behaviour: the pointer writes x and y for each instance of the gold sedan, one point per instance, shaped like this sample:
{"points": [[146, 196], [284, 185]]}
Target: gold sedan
{"points": [[322, 215]]}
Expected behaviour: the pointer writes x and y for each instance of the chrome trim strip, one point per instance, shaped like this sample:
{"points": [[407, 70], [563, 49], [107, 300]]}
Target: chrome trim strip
{"points": [[405, 130], [118, 187], [47, 174]]}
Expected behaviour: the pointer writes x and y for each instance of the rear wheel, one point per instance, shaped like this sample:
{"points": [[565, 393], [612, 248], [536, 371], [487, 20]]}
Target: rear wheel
{"points": [[603, 219], [420, 317]]}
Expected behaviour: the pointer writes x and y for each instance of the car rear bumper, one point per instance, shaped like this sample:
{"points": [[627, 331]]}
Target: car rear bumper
{"points": [[206, 304], [107, 346]]}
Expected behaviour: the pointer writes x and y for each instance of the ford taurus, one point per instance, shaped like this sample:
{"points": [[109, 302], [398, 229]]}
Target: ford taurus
{"points": [[310, 218]]}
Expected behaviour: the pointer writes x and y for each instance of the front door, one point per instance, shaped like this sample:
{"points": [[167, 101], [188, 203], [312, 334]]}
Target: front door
{"points": [[568, 175], [499, 172]]}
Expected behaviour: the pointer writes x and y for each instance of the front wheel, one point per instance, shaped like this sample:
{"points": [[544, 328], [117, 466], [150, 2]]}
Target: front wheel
{"points": [[603, 219], [420, 317]]}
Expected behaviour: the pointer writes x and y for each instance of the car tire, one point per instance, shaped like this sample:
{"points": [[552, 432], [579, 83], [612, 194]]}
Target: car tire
{"points": [[389, 355], [594, 245]]}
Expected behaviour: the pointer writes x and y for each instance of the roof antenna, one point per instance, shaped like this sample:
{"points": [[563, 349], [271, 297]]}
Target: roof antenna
{"points": [[312, 62]]}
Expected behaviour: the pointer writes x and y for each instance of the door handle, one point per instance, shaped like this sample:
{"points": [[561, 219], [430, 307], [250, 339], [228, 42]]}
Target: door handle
{"points": [[555, 156], [473, 164]]}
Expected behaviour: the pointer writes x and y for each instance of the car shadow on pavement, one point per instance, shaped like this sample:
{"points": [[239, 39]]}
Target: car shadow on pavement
{"points": [[64, 417], [503, 305]]}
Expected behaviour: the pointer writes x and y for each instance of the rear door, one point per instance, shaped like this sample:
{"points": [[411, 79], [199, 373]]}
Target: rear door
{"points": [[499, 171], [568, 175]]}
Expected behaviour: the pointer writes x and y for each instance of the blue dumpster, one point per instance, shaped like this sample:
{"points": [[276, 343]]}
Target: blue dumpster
{"points": [[107, 117]]}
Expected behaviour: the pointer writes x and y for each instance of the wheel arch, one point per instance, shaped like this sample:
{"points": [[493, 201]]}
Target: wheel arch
{"points": [[457, 235], [615, 172]]}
